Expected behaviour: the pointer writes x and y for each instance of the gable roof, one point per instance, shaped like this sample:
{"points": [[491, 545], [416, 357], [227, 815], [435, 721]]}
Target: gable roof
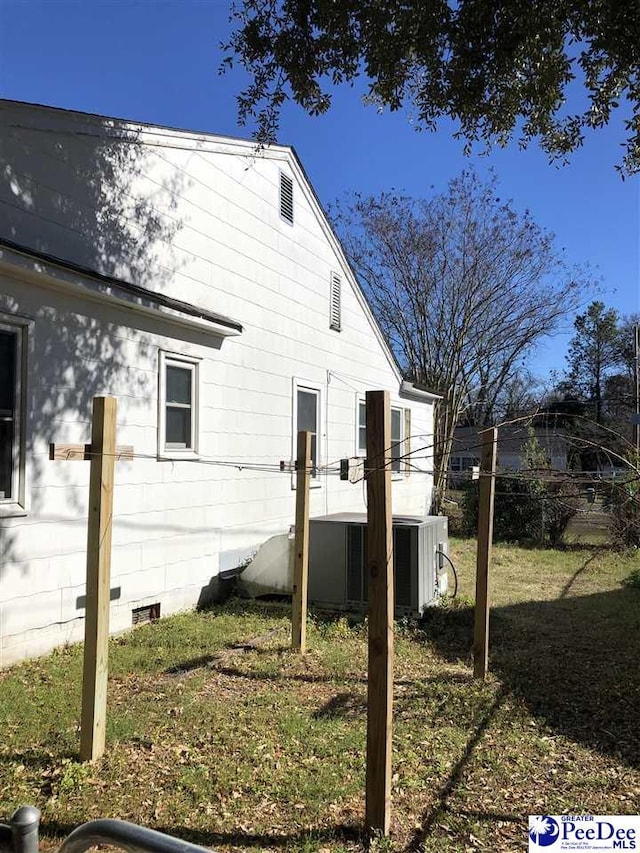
{"points": [[170, 137]]}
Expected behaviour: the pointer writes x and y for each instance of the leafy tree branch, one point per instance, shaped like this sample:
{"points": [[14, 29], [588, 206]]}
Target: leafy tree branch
{"points": [[500, 70]]}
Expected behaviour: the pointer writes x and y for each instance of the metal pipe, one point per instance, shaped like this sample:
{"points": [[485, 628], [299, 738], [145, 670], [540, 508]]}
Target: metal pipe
{"points": [[128, 836], [6, 842], [25, 823]]}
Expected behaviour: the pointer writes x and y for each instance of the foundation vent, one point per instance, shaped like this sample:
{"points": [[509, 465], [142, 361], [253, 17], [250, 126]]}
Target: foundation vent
{"points": [[148, 613]]}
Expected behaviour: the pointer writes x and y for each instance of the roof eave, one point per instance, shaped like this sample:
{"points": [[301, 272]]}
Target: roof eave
{"points": [[408, 389], [75, 279]]}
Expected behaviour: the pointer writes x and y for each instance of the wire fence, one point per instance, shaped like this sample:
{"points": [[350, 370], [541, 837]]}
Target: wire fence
{"points": [[568, 490]]}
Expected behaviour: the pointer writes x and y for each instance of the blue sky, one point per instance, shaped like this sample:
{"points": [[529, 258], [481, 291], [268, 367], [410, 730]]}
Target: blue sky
{"points": [[157, 61]]}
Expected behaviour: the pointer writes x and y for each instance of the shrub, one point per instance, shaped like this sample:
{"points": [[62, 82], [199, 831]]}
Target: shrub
{"points": [[527, 510], [622, 501], [532, 507]]}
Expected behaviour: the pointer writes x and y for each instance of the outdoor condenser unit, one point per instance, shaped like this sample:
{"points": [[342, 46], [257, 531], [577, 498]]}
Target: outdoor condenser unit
{"points": [[338, 562]]}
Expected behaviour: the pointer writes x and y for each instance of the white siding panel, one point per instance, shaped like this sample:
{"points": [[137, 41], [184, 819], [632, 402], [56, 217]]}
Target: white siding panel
{"points": [[37, 610]]}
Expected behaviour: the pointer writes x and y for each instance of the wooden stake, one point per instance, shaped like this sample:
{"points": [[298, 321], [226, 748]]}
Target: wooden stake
{"points": [[96, 637], [636, 421], [486, 490], [84, 453], [301, 567], [380, 574]]}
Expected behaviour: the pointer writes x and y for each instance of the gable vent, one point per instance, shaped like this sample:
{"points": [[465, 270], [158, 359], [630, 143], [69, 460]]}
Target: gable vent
{"points": [[335, 317], [286, 197]]}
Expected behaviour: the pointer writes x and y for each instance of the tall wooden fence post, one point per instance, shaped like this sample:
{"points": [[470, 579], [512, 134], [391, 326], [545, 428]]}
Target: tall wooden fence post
{"points": [[301, 566], [380, 575], [486, 491], [636, 420], [96, 636]]}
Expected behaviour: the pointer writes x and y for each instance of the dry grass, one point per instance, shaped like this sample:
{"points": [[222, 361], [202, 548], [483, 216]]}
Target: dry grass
{"points": [[237, 746]]}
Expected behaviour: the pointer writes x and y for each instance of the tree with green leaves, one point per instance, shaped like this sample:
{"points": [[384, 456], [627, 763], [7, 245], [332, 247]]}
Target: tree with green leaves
{"points": [[463, 286], [597, 396], [498, 68], [594, 353]]}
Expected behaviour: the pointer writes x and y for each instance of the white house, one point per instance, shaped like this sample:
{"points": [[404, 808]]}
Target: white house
{"points": [[512, 449], [196, 278]]}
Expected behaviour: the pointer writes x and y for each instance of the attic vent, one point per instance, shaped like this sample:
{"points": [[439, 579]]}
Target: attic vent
{"points": [[335, 317], [286, 197], [149, 613]]}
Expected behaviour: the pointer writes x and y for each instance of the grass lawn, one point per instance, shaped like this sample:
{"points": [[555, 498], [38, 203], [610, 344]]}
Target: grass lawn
{"points": [[237, 745]]}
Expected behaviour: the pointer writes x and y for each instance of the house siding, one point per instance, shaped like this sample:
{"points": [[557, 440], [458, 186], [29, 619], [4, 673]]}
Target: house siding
{"points": [[201, 225]]}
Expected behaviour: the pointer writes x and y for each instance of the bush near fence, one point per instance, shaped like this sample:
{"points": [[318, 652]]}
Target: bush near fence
{"points": [[622, 502], [527, 510]]}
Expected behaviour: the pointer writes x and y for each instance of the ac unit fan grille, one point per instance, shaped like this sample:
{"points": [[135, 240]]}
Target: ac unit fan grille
{"points": [[402, 567], [357, 577]]}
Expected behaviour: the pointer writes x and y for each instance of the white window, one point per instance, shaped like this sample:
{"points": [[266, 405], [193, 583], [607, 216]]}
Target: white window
{"points": [[178, 400], [306, 417], [455, 464], [458, 464], [397, 436], [335, 308], [13, 349], [397, 440], [286, 198], [362, 429]]}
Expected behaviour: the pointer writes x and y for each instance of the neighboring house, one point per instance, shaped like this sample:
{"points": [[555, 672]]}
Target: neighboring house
{"points": [[196, 278], [512, 441]]}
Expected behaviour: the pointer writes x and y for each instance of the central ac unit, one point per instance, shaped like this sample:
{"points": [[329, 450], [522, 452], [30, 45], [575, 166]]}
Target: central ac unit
{"points": [[338, 576]]}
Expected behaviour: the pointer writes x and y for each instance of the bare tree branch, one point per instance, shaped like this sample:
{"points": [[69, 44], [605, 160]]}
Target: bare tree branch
{"points": [[464, 288]]}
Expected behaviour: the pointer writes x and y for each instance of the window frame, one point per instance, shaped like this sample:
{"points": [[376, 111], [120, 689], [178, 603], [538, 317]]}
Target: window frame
{"points": [[17, 503], [397, 444], [361, 452], [185, 362], [361, 405], [317, 391], [464, 463]]}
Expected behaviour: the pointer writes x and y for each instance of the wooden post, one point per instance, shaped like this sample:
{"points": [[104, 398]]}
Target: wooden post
{"points": [[380, 575], [96, 636], [103, 454], [486, 490], [301, 566], [636, 350]]}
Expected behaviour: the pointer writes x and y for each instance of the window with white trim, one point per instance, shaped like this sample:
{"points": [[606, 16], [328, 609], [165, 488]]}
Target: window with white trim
{"points": [[362, 429], [459, 464], [307, 418], [13, 343], [397, 440], [179, 397], [397, 435]]}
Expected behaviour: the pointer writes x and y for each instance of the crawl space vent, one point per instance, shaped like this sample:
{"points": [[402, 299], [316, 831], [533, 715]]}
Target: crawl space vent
{"points": [[286, 197], [148, 613]]}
